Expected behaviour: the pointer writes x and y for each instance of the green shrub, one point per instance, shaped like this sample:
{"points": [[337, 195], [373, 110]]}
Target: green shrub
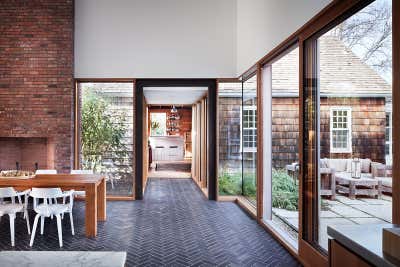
{"points": [[230, 183], [285, 191], [249, 185]]}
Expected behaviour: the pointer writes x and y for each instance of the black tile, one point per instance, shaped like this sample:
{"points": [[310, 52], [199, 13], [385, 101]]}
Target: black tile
{"points": [[173, 226]]}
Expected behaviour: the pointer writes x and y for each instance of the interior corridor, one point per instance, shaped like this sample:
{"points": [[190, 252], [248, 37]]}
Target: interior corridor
{"points": [[164, 229]]}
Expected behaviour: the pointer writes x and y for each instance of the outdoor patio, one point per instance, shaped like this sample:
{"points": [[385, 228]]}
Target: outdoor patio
{"points": [[343, 211]]}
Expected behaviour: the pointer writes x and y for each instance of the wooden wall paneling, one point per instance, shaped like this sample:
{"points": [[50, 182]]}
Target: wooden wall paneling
{"points": [[396, 111]]}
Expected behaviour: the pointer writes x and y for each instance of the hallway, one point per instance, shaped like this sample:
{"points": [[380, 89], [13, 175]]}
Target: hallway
{"points": [[173, 226]]}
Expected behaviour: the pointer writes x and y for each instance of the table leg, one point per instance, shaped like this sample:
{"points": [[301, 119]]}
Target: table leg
{"points": [[101, 201], [379, 189], [352, 190], [91, 211]]}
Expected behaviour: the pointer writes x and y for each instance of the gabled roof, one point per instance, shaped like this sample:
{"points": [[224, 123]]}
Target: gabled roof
{"points": [[342, 73]]}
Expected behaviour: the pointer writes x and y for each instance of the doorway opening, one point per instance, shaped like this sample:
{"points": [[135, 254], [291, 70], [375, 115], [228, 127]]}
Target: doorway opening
{"points": [[176, 132], [170, 131]]}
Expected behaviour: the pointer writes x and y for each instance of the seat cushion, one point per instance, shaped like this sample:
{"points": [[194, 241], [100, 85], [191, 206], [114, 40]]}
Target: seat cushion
{"points": [[54, 209], [386, 181], [10, 208], [365, 165], [340, 165]]}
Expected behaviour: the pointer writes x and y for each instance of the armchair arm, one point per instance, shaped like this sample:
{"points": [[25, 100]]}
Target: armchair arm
{"points": [[378, 169]]}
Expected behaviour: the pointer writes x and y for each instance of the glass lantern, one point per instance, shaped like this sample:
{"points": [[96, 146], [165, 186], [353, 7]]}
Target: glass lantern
{"points": [[356, 168]]}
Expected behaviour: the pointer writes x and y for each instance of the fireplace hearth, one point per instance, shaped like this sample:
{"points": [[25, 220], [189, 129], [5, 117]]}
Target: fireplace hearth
{"points": [[26, 153]]}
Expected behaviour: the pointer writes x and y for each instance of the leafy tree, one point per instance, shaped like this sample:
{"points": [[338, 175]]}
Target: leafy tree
{"points": [[102, 132]]}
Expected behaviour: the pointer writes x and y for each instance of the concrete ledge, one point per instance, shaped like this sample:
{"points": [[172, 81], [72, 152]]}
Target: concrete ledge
{"points": [[62, 258]]}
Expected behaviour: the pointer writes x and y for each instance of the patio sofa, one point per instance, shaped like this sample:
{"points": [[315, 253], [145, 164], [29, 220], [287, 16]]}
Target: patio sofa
{"points": [[336, 175]]}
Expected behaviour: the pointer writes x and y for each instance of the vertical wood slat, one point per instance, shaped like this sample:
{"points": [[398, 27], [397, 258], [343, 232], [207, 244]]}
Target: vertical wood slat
{"points": [[396, 111]]}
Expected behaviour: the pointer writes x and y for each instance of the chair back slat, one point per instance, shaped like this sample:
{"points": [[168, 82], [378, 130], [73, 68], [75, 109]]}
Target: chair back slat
{"points": [[46, 193], [7, 192], [46, 172]]}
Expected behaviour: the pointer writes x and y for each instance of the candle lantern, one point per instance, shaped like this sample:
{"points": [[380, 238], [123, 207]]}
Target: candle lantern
{"points": [[356, 168]]}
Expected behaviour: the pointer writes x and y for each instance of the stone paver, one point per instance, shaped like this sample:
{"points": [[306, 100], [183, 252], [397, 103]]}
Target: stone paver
{"points": [[367, 221], [348, 211], [383, 212], [345, 211]]}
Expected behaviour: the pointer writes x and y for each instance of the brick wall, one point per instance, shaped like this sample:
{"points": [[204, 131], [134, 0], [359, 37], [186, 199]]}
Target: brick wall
{"points": [[36, 73]]}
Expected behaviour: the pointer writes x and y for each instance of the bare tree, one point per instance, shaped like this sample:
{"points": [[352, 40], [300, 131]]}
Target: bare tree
{"points": [[369, 34]]}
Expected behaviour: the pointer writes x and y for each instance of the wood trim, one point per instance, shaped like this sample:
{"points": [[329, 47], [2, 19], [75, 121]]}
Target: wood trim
{"points": [[248, 207], [228, 80], [121, 198], [310, 256], [259, 171], [396, 111], [293, 251], [77, 110], [302, 194], [76, 126]]}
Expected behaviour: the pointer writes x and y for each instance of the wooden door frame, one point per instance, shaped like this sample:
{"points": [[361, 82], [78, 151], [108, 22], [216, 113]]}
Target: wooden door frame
{"points": [[212, 163]]}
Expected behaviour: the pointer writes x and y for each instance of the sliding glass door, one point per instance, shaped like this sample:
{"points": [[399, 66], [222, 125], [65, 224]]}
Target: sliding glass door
{"points": [[348, 96]]}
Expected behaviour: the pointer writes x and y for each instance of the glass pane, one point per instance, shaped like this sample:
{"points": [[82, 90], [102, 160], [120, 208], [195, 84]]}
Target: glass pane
{"points": [[158, 124], [230, 155], [355, 78], [106, 133], [285, 134], [250, 150]]}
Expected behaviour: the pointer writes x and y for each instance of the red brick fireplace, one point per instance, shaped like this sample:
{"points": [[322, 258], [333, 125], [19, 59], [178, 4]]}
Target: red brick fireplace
{"points": [[26, 153], [36, 84]]}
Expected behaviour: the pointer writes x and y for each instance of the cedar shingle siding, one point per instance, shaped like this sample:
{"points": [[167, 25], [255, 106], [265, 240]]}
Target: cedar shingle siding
{"points": [[368, 129]]}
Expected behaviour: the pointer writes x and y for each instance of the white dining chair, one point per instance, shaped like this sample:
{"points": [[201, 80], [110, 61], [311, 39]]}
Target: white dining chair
{"points": [[48, 209], [46, 172], [13, 208], [81, 193], [51, 171]]}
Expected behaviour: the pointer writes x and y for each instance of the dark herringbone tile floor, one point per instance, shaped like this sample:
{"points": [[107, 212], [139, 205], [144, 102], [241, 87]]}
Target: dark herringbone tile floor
{"points": [[173, 226]]}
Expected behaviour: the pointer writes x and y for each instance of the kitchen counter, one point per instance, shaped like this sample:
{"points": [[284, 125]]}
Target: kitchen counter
{"points": [[363, 240]]}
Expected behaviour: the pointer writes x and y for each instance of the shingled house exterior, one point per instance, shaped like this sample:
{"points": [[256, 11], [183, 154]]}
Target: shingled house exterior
{"points": [[360, 99]]}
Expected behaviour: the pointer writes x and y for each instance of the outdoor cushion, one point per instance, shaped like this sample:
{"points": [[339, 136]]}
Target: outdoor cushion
{"points": [[386, 181], [340, 165], [324, 163], [378, 169], [365, 165]]}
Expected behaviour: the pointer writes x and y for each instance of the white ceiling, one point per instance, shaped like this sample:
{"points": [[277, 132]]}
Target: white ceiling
{"points": [[173, 95]]}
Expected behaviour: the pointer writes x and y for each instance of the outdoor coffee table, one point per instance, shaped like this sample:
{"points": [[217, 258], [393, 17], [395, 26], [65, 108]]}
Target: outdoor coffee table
{"points": [[365, 185]]}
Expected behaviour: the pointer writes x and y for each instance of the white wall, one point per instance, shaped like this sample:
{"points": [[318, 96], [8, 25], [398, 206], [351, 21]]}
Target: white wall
{"points": [[264, 24], [155, 38], [181, 38]]}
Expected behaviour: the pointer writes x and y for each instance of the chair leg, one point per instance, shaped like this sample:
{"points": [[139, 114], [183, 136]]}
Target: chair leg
{"points": [[35, 222], [72, 223], [27, 221], [12, 228], [59, 229], [41, 225]]}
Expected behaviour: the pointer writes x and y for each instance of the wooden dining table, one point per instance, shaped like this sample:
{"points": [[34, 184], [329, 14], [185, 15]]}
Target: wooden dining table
{"points": [[94, 186]]}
